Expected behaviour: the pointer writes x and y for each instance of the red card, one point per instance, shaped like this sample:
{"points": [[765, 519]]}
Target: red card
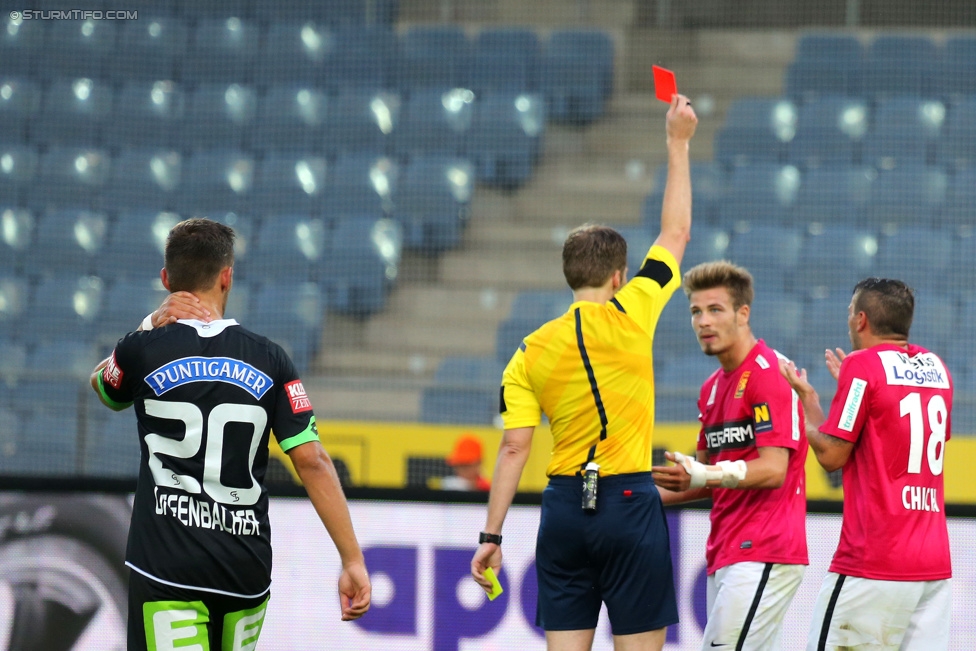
{"points": [[665, 87]]}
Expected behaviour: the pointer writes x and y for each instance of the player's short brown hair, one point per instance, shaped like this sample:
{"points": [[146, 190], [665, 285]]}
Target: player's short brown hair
{"points": [[888, 304], [720, 273], [591, 254], [196, 251]]}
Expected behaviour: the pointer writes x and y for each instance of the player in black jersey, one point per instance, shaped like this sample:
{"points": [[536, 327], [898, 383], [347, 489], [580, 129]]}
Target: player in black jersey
{"points": [[207, 395]]}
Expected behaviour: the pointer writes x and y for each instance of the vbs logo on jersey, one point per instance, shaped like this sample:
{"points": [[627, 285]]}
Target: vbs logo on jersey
{"points": [[209, 369], [761, 417], [112, 373], [923, 370], [297, 396], [741, 388]]}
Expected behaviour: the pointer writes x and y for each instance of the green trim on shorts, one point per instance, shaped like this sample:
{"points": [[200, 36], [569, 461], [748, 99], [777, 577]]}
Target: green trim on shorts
{"points": [[243, 628], [311, 433], [111, 404], [176, 624]]}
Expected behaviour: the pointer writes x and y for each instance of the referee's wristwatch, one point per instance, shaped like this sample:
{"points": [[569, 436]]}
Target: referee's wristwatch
{"points": [[494, 538]]}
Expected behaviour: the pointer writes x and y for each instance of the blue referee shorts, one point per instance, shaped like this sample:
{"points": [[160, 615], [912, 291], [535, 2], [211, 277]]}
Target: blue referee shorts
{"points": [[619, 555]]}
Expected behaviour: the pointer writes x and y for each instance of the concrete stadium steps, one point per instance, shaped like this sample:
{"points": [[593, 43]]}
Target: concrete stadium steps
{"points": [[542, 13], [342, 400]]}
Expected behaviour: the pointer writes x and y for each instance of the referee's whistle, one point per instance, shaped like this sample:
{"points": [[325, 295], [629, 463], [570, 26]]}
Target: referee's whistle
{"points": [[590, 477]]}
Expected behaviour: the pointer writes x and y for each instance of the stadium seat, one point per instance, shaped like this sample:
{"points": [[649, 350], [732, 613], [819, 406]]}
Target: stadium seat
{"points": [[45, 446], [511, 332], [829, 47], [762, 193], [541, 305], [147, 114], [834, 195], [363, 184], [707, 243], [957, 76], [365, 56], [434, 56], [593, 44], [905, 130], [708, 185], [452, 405], [70, 176], [769, 252], [143, 179], [639, 240], [77, 48], [917, 254], [13, 364], [825, 64], [64, 303], [111, 444], [909, 194], [835, 256], [898, 65], [506, 138], [216, 181], [200, 10], [777, 318], [14, 298], [432, 202], [957, 146], [435, 122], [686, 374], [936, 318], [824, 325], [68, 241], [18, 167], [362, 263], [828, 132], [290, 184], [73, 112], [469, 372], [21, 43], [20, 100], [289, 249], [135, 243], [245, 230], [16, 236], [290, 118], [126, 303], [292, 315], [362, 120], [505, 59], [294, 53], [960, 200], [61, 359], [576, 75], [219, 116], [149, 50], [221, 50], [674, 337], [756, 130], [331, 12]]}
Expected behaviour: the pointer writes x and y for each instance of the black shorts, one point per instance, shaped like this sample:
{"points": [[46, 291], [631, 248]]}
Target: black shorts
{"points": [[619, 555], [215, 622]]}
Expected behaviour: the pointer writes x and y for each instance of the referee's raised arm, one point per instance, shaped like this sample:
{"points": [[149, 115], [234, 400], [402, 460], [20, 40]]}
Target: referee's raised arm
{"points": [[676, 208]]}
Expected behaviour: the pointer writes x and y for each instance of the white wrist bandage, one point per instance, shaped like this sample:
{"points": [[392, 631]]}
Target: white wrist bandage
{"points": [[147, 322], [697, 470], [729, 473], [732, 472]]}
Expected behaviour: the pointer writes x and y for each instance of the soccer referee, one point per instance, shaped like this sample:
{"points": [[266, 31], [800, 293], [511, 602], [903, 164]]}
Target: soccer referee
{"points": [[590, 371]]}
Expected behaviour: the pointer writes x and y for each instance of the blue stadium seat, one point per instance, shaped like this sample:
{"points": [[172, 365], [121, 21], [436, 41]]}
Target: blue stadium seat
{"points": [[73, 112], [909, 194], [541, 305], [961, 198], [77, 48], [200, 10], [126, 303], [469, 372], [289, 249], [143, 179], [505, 59], [451, 405], [364, 56], [769, 252], [506, 138], [576, 75], [777, 317], [433, 56], [21, 44], [147, 114], [290, 118], [898, 65], [62, 359], [149, 49], [435, 122], [936, 319], [111, 444], [245, 229], [756, 130], [68, 241], [70, 176], [293, 316], [917, 254], [20, 100], [16, 236], [686, 374], [294, 53], [221, 50], [363, 184], [216, 181], [957, 75], [674, 337], [639, 240], [290, 184], [905, 130], [824, 325], [64, 303], [708, 185], [834, 48], [825, 64], [14, 298], [828, 131], [957, 146], [332, 12], [760, 193], [361, 264], [19, 167], [219, 115], [707, 243], [835, 256], [45, 446], [432, 202], [511, 332], [362, 120], [13, 364], [135, 243], [834, 195]]}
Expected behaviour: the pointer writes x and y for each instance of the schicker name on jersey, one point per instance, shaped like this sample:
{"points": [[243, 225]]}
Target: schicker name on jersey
{"points": [[209, 369], [730, 436]]}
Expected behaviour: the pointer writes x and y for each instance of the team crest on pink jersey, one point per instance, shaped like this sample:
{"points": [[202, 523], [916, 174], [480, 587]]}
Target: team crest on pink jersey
{"points": [[740, 389], [298, 397]]}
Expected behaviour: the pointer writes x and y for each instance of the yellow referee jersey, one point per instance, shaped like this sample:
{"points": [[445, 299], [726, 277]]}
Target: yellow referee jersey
{"points": [[592, 373]]}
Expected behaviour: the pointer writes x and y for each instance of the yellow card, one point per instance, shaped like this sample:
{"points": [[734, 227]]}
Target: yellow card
{"points": [[496, 587]]}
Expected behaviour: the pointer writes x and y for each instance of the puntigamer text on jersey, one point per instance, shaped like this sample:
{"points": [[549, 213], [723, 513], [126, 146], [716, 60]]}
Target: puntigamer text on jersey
{"points": [[204, 369]]}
